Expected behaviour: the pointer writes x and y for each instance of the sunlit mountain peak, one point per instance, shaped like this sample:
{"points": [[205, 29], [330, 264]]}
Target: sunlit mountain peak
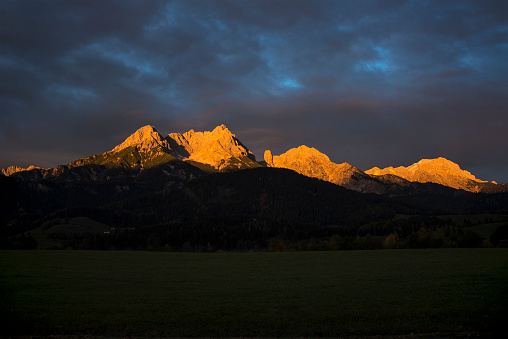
{"points": [[145, 138], [218, 148], [312, 163], [439, 170]]}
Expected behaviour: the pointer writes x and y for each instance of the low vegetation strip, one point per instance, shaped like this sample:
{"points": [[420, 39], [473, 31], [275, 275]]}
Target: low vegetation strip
{"points": [[122, 293]]}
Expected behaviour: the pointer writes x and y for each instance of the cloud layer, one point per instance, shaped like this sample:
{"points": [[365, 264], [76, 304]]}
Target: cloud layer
{"points": [[372, 83]]}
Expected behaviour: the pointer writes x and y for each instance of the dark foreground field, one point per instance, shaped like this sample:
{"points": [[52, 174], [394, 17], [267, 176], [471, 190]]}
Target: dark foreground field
{"points": [[393, 292]]}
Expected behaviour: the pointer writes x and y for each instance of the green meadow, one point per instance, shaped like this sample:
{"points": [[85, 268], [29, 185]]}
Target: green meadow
{"points": [[346, 293]]}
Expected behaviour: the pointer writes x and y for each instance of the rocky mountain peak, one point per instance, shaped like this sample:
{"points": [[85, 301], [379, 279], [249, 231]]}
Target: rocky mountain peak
{"points": [[214, 148], [146, 138], [220, 128], [297, 158], [15, 169], [312, 163], [442, 166], [308, 152], [439, 170]]}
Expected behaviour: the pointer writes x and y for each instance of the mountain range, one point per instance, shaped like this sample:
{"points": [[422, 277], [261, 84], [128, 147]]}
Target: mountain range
{"points": [[220, 150], [207, 189]]}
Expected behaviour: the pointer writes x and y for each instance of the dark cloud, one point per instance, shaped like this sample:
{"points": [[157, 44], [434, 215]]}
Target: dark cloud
{"points": [[373, 83]]}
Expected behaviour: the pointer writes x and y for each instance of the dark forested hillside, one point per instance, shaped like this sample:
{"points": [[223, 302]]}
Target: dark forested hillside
{"points": [[161, 207], [249, 205]]}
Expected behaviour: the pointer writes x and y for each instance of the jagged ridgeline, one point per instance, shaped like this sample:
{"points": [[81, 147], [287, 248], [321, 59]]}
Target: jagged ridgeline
{"points": [[310, 162], [220, 150]]}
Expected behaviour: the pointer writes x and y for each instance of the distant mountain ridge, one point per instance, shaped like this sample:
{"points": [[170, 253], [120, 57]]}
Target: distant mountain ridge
{"points": [[393, 181], [184, 156], [440, 171], [15, 169], [312, 163]]}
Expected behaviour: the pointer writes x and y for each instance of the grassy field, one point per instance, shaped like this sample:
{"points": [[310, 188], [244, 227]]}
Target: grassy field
{"points": [[392, 292]]}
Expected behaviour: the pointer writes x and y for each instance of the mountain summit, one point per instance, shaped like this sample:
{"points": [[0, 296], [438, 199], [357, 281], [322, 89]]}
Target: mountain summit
{"points": [[312, 163], [440, 171], [145, 138], [142, 149], [219, 148], [215, 150]]}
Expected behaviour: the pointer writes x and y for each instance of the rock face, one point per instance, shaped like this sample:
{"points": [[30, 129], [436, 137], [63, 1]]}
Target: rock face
{"points": [[15, 169], [143, 149], [146, 147], [219, 148], [439, 171], [145, 139], [312, 163]]}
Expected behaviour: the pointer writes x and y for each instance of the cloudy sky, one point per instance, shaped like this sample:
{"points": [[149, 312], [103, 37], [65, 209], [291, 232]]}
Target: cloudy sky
{"points": [[372, 83]]}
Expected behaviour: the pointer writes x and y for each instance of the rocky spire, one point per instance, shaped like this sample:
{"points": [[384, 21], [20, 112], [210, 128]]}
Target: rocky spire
{"points": [[268, 156]]}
